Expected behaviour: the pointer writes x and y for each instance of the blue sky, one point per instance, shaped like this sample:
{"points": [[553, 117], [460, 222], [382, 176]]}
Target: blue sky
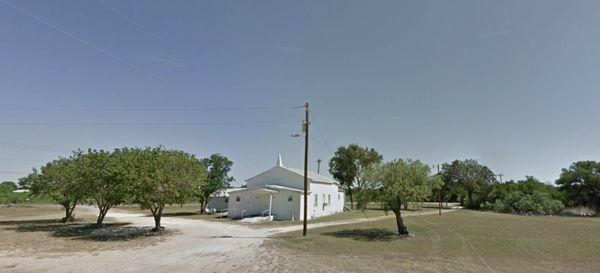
{"points": [[512, 83]]}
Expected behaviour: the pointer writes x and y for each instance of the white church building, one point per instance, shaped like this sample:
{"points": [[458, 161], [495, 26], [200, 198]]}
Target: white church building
{"points": [[279, 192]]}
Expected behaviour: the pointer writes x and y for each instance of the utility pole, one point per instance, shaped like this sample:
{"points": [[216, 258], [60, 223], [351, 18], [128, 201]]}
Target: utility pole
{"points": [[500, 176], [305, 127], [438, 173], [319, 165]]}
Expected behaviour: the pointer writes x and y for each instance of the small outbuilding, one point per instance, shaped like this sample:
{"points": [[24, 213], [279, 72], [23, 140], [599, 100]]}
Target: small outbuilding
{"points": [[279, 193]]}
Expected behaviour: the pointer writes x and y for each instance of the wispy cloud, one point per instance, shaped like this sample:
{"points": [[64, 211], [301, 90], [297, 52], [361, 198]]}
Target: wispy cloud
{"points": [[495, 34], [288, 49], [167, 62]]}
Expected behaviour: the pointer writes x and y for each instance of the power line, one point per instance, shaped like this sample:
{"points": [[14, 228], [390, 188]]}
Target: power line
{"points": [[134, 22], [142, 123], [73, 36], [321, 134], [144, 109]]}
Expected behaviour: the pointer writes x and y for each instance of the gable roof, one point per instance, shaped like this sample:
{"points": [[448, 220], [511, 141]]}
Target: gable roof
{"points": [[315, 177], [312, 176]]}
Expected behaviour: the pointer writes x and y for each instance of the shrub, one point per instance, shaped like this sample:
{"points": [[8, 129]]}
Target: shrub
{"points": [[517, 202]]}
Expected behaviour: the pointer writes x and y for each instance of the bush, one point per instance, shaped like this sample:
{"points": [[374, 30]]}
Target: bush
{"points": [[487, 206], [517, 202]]}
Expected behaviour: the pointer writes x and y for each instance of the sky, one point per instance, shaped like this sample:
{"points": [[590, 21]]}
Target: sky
{"points": [[514, 84]]}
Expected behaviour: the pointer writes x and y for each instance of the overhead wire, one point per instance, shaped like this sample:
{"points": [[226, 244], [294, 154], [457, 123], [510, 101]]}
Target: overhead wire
{"points": [[69, 34]]}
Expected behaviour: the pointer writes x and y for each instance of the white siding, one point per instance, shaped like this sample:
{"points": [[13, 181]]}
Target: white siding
{"points": [[283, 209], [325, 192], [254, 201]]}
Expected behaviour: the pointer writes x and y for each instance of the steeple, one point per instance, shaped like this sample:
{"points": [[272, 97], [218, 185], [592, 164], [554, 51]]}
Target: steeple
{"points": [[279, 161]]}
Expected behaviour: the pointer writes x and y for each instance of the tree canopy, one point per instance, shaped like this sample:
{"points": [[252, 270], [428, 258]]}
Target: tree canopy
{"points": [[398, 182], [581, 184], [159, 177], [8, 186], [469, 179], [218, 167], [151, 177], [59, 180], [101, 173], [347, 166]]}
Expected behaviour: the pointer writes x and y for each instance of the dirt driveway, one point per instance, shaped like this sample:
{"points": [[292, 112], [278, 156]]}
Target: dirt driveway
{"points": [[199, 246]]}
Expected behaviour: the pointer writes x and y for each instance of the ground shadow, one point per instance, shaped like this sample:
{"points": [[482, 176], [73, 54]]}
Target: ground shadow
{"points": [[81, 230], [181, 213], [371, 234]]}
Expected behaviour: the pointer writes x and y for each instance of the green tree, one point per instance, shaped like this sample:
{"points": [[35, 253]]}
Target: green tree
{"points": [[218, 167], [397, 182], [101, 175], [27, 181], [468, 177], [581, 184], [347, 166], [59, 181], [8, 186], [160, 177], [528, 186]]}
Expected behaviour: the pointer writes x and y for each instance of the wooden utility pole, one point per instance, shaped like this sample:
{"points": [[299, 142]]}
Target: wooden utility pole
{"points": [[305, 127], [438, 173], [319, 165]]}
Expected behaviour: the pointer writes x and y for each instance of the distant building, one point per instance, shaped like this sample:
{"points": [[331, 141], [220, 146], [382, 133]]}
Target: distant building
{"points": [[218, 201], [279, 192]]}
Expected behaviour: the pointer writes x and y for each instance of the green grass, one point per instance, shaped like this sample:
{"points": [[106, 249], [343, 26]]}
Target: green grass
{"points": [[7, 198], [462, 241]]}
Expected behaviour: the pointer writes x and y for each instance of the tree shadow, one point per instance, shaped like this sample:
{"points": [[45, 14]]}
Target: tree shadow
{"points": [[371, 234], [180, 213], [82, 231]]}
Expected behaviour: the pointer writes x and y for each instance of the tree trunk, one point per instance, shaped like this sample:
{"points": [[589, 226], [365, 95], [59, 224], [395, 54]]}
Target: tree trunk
{"points": [[157, 216], [69, 212], [157, 226], [351, 200], [402, 230], [469, 199], [203, 205], [102, 215]]}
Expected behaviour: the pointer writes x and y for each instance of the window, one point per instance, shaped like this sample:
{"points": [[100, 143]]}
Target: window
{"points": [[290, 198], [226, 199], [237, 199], [329, 199], [338, 196], [316, 200]]}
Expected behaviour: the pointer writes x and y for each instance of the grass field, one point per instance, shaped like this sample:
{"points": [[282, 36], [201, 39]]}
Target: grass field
{"points": [[461, 241], [38, 229]]}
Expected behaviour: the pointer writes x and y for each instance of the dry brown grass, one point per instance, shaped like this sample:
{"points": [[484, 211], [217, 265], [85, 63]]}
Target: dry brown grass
{"points": [[463, 241]]}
